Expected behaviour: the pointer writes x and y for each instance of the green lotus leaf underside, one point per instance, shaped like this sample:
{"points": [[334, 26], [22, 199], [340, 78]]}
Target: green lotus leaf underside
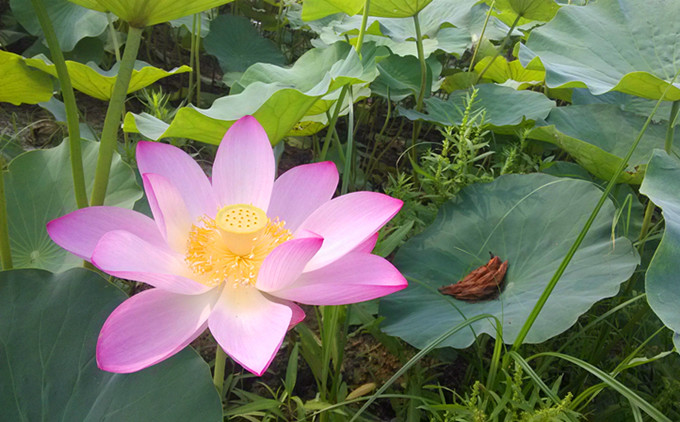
{"points": [[142, 13], [317, 9], [278, 97], [20, 83], [529, 220], [90, 79]]}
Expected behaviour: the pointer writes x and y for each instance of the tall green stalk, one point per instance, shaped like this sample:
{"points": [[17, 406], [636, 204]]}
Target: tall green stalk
{"points": [[72, 120], [572, 251], [670, 131], [481, 36], [5, 249], [218, 372], [423, 86], [109, 137]]}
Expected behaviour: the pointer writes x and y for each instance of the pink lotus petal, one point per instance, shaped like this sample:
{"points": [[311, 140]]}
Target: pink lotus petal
{"points": [[182, 172], [298, 315], [124, 255], [285, 263], [356, 277], [301, 190], [249, 327], [150, 327], [79, 231], [367, 245], [347, 221], [243, 172], [169, 210]]}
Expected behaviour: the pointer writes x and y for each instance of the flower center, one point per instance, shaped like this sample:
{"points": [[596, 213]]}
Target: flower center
{"points": [[231, 247]]}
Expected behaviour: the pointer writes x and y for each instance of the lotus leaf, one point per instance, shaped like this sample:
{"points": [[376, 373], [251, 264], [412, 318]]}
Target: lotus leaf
{"points": [[39, 188], [21, 84], [141, 13], [598, 136], [611, 45], [245, 47], [530, 221], [504, 107], [71, 22], [49, 324], [90, 79], [278, 97], [662, 185]]}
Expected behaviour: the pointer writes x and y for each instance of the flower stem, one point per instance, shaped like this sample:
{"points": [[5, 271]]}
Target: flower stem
{"points": [[5, 250], [421, 93], [481, 36], [72, 120], [109, 137], [218, 374], [362, 30], [671, 128], [572, 251]]}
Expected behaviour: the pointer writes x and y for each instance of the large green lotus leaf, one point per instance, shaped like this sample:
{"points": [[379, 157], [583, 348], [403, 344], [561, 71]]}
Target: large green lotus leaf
{"points": [[317, 9], [39, 188], [623, 196], [49, 324], [529, 220], [505, 108], [662, 185], [21, 84], [534, 10], [511, 74], [71, 22], [621, 45], [90, 79], [598, 136], [435, 20], [278, 97], [141, 13], [245, 47], [626, 102], [400, 77]]}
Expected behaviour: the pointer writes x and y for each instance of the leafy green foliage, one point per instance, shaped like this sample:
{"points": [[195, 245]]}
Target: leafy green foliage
{"points": [[49, 326], [21, 84], [613, 45]]}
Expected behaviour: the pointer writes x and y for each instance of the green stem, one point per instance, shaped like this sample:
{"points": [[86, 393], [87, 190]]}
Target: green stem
{"points": [[218, 374], [570, 254], [113, 116], [671, 128], [114, 37], [72, 120], [423, 86], [481, 36], [362, 30], [5, 249], [500, 49], [350, 148], [197, 60], [331, 123]]}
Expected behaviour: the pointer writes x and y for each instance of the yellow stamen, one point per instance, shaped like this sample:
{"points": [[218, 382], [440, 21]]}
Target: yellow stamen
{"points": [[231, 248]]}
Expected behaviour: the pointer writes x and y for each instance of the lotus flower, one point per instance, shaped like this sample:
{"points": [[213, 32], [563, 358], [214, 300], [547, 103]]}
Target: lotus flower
{"points": [[232, 255]]}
